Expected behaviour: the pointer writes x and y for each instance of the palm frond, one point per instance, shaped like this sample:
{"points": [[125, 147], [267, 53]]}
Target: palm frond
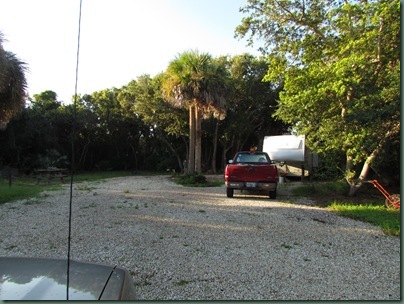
{"points": [[13, 85], [196, 78]]}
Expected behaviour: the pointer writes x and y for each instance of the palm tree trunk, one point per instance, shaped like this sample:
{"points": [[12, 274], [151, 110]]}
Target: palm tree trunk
{"points": [[191, 158], [198, 140]]}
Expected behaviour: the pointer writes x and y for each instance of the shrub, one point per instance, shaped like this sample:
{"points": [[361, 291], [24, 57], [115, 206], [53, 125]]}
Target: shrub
{"points": [[191, 179]]}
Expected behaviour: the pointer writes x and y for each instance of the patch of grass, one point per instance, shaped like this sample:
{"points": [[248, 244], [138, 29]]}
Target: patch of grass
{"points": [[386, 218], [10, 247], [367, 205], [284, 245], [23, 189], [183, 283]]}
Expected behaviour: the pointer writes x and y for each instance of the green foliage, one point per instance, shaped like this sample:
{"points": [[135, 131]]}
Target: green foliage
{"points": [[13, 85], [195, 180], [388, 219], [365, 208], [195, 77], [250, 105], [329, 167], [338, 64]]}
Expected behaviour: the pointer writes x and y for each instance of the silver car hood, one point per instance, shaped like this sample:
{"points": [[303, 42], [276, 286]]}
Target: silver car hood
{"points": [[46, 279]]}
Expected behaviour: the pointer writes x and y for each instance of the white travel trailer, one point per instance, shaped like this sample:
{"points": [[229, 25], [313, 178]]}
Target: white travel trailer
{"points": [[292, 156]]}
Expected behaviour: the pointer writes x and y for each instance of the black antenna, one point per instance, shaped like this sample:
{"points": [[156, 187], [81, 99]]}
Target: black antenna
{"points": [[72, 161]]}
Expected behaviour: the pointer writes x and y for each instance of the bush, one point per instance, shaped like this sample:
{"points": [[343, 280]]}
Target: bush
{"points": [[191, 179]]}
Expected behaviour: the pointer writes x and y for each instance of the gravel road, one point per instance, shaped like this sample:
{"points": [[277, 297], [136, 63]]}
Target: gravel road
{"points": [[182, 243]]}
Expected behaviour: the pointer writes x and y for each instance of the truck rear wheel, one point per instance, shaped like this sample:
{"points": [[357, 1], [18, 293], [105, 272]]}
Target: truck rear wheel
{"points": [[229, 192], [272, 194]]}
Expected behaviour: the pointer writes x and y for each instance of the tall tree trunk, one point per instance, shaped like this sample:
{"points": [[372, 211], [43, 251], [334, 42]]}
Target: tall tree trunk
{"points": [[366, 166], [185, 162], [191, 158], [215, 136], [364, 173], [198, 140]]}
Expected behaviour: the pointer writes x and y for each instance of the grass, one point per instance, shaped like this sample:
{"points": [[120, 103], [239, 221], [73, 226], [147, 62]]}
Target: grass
{"points": [[386, 218], [367, 205], [22, 189]]}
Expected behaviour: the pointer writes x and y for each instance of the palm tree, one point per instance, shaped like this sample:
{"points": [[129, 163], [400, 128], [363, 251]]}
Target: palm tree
{"points": [[13, 85], [198, 82]]}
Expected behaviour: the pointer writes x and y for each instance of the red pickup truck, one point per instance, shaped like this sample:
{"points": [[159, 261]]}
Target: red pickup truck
{"points": [[252, 171]]}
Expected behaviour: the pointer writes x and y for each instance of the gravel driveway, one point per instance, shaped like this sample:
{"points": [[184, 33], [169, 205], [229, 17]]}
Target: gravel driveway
{"points": [[197, 244]]}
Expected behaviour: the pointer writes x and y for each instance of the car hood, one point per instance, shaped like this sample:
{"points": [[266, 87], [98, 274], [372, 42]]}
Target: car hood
{"points": [[46, 279]]}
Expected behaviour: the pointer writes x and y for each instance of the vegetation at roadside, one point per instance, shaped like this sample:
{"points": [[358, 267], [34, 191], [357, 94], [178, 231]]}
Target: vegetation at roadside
{"points": [[368, 206], [22, 189], [386, 218], [322, 189], [195, 180]]}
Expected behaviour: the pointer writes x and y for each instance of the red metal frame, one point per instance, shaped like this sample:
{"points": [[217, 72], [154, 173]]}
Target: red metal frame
{"points": [[394, 200]]}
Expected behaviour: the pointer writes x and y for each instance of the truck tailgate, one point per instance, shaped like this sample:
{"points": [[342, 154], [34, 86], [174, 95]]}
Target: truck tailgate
{"points": [[252, 173]]}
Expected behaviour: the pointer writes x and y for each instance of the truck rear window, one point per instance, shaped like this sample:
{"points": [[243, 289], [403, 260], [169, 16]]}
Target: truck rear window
{"points": [[251, 158]]}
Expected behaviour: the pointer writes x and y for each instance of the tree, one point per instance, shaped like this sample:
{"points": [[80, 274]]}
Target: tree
{"points": [[143, 98], [196, 81], [253, 102], [36, 136], [339, 65], [12, 85]]}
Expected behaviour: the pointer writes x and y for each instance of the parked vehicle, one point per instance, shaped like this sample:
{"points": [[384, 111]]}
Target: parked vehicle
{"points": [[46, 279], [251, 171], [292, 156]]}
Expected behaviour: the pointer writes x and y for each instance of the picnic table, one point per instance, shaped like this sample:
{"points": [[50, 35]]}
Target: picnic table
{"points": [[50, 173]]}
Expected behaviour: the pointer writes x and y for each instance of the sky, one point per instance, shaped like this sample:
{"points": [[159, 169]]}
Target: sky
{"points": [[120, 40]]}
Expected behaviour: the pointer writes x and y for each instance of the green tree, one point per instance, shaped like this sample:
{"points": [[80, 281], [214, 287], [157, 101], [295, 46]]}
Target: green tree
{"points": [[339, 65], [253, 102], [143, 98], [35, 137], [109, 133], [46, 100], [198, 82], [13, 85]]}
